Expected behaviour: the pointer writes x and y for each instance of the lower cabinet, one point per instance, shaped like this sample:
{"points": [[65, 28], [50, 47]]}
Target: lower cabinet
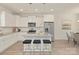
{"points": [[7, 41], [36, 47], [37, 43], [27, 47], [46, 47]]}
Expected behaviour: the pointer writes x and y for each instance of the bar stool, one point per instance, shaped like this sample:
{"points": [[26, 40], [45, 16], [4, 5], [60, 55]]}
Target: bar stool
{"points": [[37, 45], [46, 45], [27, 45]]}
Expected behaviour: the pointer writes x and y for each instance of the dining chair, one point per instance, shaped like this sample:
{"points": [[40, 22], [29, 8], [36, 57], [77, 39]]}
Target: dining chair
{"points": [[68, 36], [76, 38]]}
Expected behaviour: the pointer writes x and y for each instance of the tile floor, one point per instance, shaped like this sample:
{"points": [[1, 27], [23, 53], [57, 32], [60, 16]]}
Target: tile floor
{"points": [[59, 47]]}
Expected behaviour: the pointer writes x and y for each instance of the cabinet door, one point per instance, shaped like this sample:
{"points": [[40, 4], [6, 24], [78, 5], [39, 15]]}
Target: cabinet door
{"points": [[49, 18], [49, 27], [31, 18], [46, 47], [10, 19]]}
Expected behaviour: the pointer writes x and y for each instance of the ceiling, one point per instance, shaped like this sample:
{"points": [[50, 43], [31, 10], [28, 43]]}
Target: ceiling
{"points": [[38, 8]]}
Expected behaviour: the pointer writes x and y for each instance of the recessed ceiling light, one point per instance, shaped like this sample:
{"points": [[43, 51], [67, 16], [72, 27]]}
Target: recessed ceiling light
{"points": [[21, 9], [51, 9]]}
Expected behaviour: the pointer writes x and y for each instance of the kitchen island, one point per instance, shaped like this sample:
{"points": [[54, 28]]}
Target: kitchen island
{"points": [[37, 42]]}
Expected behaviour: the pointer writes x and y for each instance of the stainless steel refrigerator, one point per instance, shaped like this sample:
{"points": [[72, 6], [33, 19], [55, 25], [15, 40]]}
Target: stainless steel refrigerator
{"points": [[49, 28]]}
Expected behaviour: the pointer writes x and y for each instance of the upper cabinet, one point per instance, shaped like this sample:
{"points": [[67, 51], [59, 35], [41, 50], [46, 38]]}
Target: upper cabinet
{"points": [[10, 19], [39, 21], [2, 18], [31, 19], [7, 19], [49, 18], [35, 19], [21, 21]]}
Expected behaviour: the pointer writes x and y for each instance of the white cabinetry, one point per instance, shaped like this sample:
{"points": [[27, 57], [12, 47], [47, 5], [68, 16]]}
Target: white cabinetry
{"points": [[2, 18], [21, 21], [17, 20], [7, 41], [40, 24], [49, 18], [37, 47], [28, 47], [39, 21], [7, 19], [10, 19], [46, 47], [31, 18]]}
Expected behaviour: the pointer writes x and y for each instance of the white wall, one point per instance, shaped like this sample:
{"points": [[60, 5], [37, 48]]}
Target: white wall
{"points": [[6, 19], [68, 15]]}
